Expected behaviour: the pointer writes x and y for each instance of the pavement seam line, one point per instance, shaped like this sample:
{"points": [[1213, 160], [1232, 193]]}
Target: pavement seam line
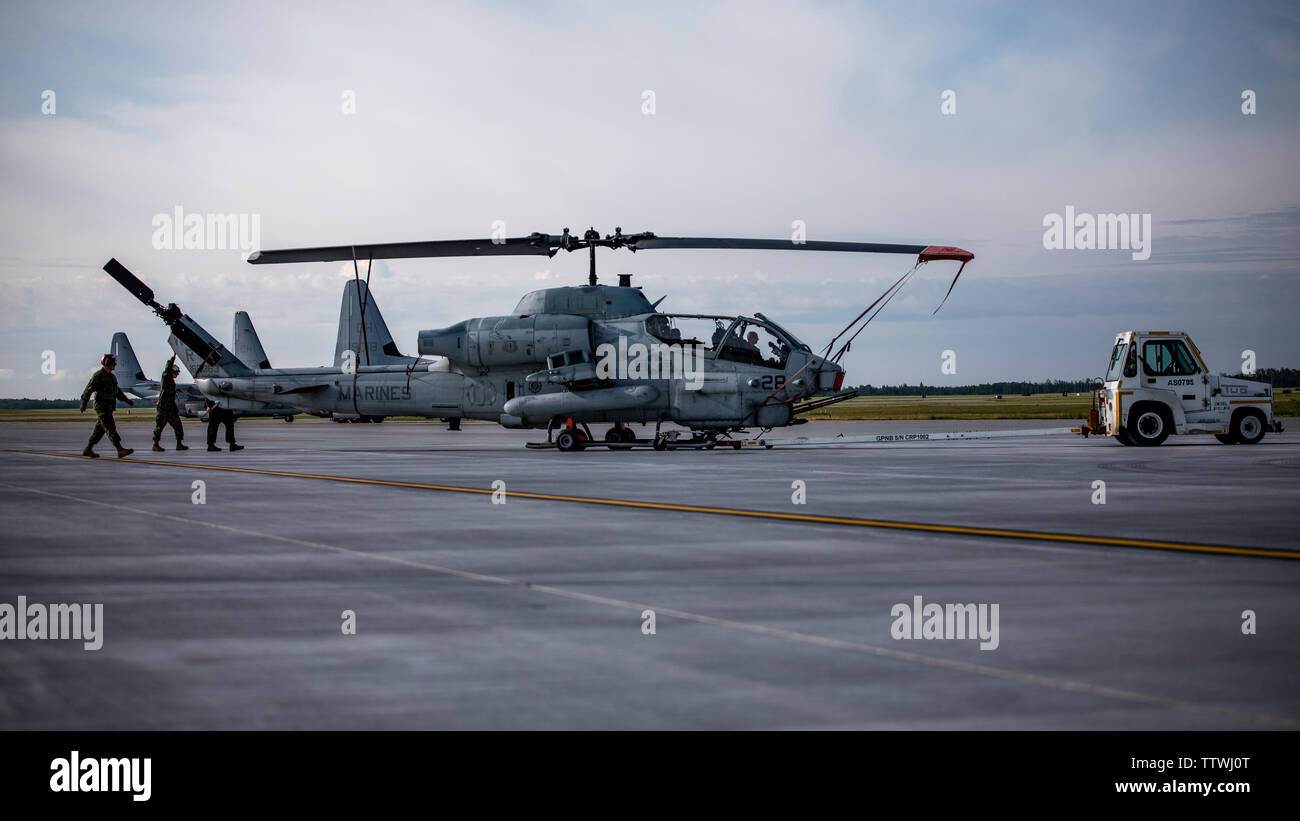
{"points": [[1051, 682]]}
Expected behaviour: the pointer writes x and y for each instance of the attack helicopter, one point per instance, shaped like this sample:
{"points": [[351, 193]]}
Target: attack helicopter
{"points": [[565, 358], [572, 356]]}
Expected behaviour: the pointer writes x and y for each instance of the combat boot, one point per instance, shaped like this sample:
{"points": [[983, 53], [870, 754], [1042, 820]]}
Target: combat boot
{"points": [[234, 447], [123, 452], [90, 453], [181, 446], [157, 448]]}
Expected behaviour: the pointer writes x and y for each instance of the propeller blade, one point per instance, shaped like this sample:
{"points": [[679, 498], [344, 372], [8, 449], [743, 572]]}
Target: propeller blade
{"points": [[538, 244]]}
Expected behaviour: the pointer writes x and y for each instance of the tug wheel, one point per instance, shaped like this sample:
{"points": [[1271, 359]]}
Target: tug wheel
{"points": [[1150, 424], [1247, 426]]}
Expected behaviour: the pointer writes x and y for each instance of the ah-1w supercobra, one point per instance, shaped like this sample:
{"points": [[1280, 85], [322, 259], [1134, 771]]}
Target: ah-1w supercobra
{"points": [[570, 356]]}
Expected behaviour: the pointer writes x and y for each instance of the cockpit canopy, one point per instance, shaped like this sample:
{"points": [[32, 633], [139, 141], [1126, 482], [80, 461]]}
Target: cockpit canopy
{"points": [[736, 339], [592, 301]]}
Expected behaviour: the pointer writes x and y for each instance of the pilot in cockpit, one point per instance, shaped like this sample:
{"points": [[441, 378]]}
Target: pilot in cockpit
{"points": [[662, 328], [719, 331]]}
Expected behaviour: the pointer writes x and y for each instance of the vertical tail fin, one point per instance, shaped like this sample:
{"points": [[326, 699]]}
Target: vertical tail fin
{"points": [[128, 367], [369, 340], [203, 355], [245, 345]]}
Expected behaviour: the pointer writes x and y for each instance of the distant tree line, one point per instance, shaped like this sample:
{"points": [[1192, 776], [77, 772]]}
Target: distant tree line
{"points": [[34, 404], [1279, 377]]}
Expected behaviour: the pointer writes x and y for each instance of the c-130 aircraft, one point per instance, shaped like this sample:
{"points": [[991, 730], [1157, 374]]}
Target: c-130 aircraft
{"points": [[566, 357]]}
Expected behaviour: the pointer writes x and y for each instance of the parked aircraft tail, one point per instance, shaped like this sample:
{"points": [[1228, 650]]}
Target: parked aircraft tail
{"points": [[129, 371], [363, 331], [247, 347]]}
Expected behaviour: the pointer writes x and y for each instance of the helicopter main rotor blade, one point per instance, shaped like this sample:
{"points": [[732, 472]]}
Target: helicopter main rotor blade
{"points": [[512, 246], [548, 245], [776, 245]]}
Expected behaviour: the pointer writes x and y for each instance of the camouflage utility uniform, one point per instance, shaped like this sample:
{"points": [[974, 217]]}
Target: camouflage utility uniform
{"points": [[104, 386], [167, 411]]}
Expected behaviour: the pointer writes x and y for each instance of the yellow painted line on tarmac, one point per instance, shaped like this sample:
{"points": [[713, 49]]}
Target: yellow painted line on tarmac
{"points": [[1004, 533]]}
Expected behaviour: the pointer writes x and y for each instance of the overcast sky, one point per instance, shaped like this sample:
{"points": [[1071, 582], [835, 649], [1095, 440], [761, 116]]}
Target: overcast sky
{"points": [[532, 114]]}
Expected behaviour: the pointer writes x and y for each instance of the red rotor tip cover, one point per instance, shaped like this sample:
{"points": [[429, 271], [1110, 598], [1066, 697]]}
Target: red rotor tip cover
{"points": [[937, 252]]}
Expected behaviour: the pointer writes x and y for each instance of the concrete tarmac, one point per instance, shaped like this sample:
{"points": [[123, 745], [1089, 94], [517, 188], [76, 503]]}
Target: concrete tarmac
{"points": [[531, 612]]}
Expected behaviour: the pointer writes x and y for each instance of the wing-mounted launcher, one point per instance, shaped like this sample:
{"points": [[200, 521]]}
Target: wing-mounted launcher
{"points": [[573, 369]]}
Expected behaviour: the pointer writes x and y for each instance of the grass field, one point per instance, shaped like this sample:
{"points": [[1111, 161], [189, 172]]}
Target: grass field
{"points": [[72, 415], [1038, 406], [875, 408], [123, 415]]}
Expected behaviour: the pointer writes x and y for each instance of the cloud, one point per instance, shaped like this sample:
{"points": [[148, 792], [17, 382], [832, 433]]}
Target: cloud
{"points": [[764, 114]]}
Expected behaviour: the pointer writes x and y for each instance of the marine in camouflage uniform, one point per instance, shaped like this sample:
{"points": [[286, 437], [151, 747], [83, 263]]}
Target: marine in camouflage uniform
{"points": [[167, 413], [104, 386]]}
